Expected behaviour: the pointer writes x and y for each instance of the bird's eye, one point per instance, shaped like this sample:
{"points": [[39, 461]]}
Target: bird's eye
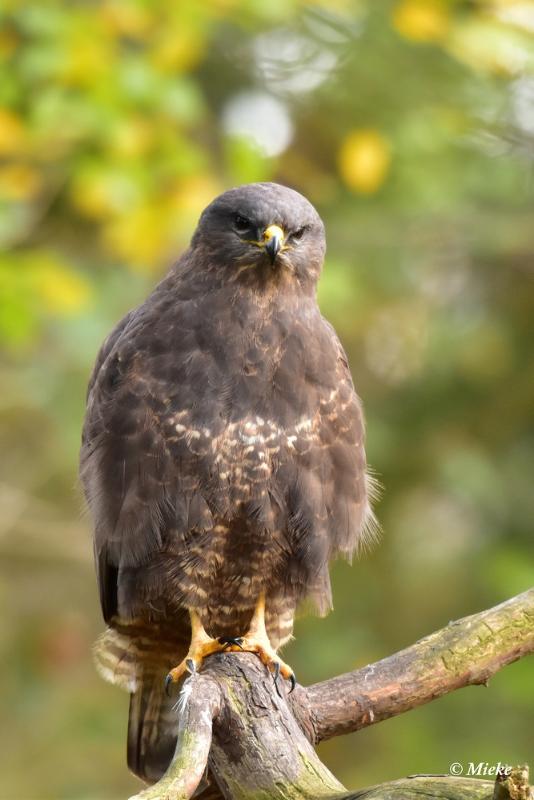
{"points": [[298, 234], [241, 223]]}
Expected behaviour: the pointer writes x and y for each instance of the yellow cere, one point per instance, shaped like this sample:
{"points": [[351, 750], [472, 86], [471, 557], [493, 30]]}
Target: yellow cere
{"points": [[270, 233], [273, 231]]}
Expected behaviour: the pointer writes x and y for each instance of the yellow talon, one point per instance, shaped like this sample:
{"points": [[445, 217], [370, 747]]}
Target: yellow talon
{"points": [[201, 646], [256, 641]]}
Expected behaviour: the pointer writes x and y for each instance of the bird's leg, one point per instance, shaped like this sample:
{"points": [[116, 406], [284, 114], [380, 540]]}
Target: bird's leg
{"points": [[257, 641], [201, 646]]}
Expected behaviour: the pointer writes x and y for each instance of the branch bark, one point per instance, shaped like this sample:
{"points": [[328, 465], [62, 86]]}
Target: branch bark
{"points": [[467, 652], [257, 744]]}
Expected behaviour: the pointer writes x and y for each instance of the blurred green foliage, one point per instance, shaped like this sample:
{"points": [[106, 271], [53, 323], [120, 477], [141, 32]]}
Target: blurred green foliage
{"points": [[410, 125]]}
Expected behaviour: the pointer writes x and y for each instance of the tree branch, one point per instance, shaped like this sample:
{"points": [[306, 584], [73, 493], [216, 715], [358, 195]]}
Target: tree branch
{"points": [[466, 652], [196, 712], [445, 787], [258, 744]]}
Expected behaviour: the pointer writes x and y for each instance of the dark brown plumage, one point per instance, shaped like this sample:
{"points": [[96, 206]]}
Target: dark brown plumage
{"points": [[223, 451]]}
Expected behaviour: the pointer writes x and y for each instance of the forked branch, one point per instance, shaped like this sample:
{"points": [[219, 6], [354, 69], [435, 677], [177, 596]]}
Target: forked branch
{"points": [[257, 744]]}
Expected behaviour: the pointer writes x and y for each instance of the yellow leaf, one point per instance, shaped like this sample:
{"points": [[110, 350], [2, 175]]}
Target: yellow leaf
{"points": [[59, 289], [90, 195], [190, 196], [155, 231], [101, 193], [185, 202], [19, 181], [140, 236], [87, 54], [422, 20], [364, 160], [12, 133], [177, 51], [127, 17], [132, 136]]}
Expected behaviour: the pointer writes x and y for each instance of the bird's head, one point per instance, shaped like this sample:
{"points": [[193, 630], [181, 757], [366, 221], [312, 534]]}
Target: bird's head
{"points": [[261, 234]]}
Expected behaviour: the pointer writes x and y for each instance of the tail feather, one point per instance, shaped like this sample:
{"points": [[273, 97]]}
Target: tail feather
{"points": [[116, 659], [137, 658], [152, 725]]}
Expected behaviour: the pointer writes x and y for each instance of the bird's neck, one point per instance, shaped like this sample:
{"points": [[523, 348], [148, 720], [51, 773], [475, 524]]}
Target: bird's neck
{"points": [[246, 288]]}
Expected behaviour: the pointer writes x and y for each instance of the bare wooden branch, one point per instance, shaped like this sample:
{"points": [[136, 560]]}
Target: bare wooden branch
{"points": [[447, 787], [429, 787], [258, 748], [258, 744], [199, 704], [466, 652], [514, 786]]}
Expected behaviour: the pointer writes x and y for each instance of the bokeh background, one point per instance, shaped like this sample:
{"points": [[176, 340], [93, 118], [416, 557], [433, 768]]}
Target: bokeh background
{"points": [[410, 125]]}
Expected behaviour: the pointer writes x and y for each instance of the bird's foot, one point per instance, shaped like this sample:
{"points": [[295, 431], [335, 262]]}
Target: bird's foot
{"points": [[199, 649], [260, 644]]}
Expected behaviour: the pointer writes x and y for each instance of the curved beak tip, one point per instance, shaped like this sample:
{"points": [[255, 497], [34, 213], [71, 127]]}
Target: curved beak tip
{"points": [[273, 239]]}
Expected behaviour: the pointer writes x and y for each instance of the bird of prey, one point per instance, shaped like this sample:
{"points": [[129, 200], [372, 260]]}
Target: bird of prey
{"points": [[222, 458]]}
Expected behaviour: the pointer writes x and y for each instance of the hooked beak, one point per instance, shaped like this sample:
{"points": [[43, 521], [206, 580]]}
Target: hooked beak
{"points": [[273, 240]]}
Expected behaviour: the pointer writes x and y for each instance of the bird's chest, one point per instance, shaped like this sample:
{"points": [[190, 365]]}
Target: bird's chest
{"points": [[250, 452], [241, 390], [243, 403], [248, 455], [237, 461]]}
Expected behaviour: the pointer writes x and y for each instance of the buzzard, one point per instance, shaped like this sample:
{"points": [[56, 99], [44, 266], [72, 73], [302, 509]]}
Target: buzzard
{"points": [[222, 458]]}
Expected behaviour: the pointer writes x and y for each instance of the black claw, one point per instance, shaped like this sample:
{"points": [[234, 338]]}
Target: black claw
{"points": [[168, 681], [276, 675], [191, 666], [228, 640]]}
